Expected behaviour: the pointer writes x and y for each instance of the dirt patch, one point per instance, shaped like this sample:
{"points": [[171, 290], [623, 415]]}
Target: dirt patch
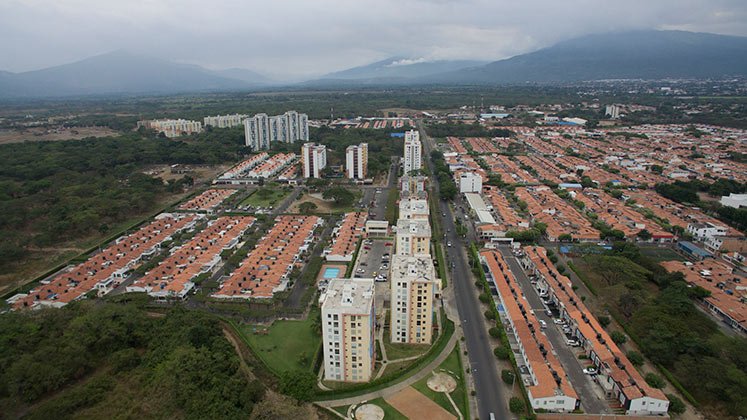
{"points": [[322, 205], [442, 382], [369, 412], [415, 405], [54, 134]]}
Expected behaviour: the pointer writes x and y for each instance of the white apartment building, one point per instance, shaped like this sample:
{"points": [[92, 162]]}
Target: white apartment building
{"points": [[412, 184], [260, 130], [612, 111], [313, 159], [225, 121], [703, 231], [356, 161], [348, 321], [413, 237], [470, 182], [413, 151], [414, 285], [734, 200], [413, 208], [172, 128]]}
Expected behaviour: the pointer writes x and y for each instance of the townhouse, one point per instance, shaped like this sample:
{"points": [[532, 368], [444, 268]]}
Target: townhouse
{"points": [[207, 201], [345, 237]]}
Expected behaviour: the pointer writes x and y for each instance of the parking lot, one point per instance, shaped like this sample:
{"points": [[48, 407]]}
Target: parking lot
{"points": [[373, 263], [589, 392]]}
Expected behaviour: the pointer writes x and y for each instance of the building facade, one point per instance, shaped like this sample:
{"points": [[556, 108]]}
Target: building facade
{"points": [[172, 128], [225, 121], [470, 182], [413, 151], [414, 284], [313, 159], [356, 161], [261, 130], [413, 237], [348, 321]]}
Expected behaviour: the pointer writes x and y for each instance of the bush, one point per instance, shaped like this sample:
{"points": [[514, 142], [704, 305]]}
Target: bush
{"points": [[507, 376], [494, 332], [676, 406], [516, 405], [635, 358], [501, 352], [489, 314], [655, 380], [604, 321], [484, 298], [618, 337], [561, 269]]}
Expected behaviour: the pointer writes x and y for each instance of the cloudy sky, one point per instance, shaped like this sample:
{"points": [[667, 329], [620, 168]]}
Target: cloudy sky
{"points": [[303, 38]]}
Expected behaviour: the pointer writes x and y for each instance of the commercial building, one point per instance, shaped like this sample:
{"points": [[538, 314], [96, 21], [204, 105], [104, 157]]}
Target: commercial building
{"points": [[413, 237], [356, 161], [413, 151], [734, 200], [470, 182], [261, 129], [414, 287], [225, 121], [348, 321], [313, 159], [172, 128]]}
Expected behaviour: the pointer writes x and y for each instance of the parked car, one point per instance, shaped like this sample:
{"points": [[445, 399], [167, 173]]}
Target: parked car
{"points": [[388, 244], [543, 324], [548, 312], [558, 321], [448, 243], [590, 370], [571, 342], [366, 247]]}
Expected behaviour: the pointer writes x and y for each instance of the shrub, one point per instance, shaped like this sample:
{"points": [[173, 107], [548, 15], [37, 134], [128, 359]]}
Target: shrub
{"points": [[501, 352], [507, 376], [494, 332], [655, 380], [516, 405], [489, 314], [484, 298], [604, 321], [635, 358], [618, 337], [676, 406], [561, 269]]}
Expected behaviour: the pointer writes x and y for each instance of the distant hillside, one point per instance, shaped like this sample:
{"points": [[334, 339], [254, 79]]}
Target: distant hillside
{"points": [[628, 55], [398, 69], [122, 72]]}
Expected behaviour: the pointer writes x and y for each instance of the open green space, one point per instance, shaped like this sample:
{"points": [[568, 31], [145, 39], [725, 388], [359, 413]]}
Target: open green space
{"points": [[389, 411], [265, 197], [285, 345], [661, 254], [453, 366], [396, 351]]}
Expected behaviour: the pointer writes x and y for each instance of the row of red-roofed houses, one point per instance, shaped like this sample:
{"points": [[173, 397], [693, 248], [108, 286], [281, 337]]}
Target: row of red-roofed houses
{"points": [[105, 270]]}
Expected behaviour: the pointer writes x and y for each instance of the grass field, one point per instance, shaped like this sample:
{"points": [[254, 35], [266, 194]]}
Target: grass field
{"points": [[661, 254], [289, 345], [265, 197], [389, 411], [453, 366], [396, 351]]}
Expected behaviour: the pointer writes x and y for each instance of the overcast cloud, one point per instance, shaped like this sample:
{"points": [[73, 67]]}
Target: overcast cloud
{"points": [[302, 38]]}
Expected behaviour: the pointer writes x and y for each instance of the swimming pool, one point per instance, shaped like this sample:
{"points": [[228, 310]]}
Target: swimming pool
{"points": [[331, 273]]}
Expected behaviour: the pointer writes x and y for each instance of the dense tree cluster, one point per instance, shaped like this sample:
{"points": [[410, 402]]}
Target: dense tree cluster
{"points": [[687, 192], [447, 187], [114, 359], [460, 129], [57, 191]]}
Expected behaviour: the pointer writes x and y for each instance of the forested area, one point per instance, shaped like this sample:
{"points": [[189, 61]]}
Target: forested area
{"points": [[460, 129], [52, 192], [687, 193], [105, 360], [672, 332]]}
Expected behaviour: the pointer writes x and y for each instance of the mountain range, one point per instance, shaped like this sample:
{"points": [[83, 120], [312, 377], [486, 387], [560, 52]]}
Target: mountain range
{"points": [[625, 55]]}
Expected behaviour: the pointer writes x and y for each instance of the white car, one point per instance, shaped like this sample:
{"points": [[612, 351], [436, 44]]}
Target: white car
{"points": [[448, 244], [543, 324], [572, 343], [590, 371], [558, 321]]}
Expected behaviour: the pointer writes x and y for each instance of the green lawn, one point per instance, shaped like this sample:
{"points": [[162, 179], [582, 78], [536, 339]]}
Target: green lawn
{"points": [[389, 411], [661, 254], [453, 366], [396, 351], [265, 197], [289, 345]]}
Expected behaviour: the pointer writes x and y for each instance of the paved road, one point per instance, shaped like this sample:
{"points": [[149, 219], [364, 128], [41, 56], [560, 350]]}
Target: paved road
{"points": [[588, 392], [489, 388]]}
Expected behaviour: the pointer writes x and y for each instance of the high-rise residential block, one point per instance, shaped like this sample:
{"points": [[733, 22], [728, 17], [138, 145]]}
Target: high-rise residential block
{"points": [[356, 161], [261, 130], [313, 159], [172, 128], [413, 237], [348, 326], [225, 121], [413, 151], [413, 280]]}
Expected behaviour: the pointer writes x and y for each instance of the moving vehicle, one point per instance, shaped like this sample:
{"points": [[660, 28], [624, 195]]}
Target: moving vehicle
{"points": [[448, 243]]}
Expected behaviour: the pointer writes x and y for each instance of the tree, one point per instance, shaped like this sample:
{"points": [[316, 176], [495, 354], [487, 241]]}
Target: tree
{"points": [[299, 384], [654, 380], [275, 406], [507, 376], [566, 237], [604, 320], [644, 235], [635, 358], [676, 406], [618, 337], [307, 207], [516, 405], [501, 353], [494, 332], [341, 196]]}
